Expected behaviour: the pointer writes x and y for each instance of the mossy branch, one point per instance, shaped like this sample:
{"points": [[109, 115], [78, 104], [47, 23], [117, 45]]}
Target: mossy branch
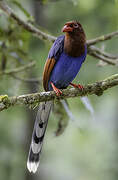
{"points": [[96, 88]]}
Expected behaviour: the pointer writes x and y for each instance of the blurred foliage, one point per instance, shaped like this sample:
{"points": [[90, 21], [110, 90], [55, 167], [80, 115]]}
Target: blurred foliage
{"points": [[90, 154], [13, 42]]}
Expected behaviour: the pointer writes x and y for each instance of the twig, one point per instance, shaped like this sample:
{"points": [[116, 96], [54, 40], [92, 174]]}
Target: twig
{"points": [[45, 36], [32, 80], [19, 69], [102, 38], [29, 27], [103, 53], [32, 99], [40, 34], [107, 60]]}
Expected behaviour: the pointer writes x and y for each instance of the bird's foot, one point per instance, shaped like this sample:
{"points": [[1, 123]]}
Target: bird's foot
{"points": [[77, 86], [56, 90]]}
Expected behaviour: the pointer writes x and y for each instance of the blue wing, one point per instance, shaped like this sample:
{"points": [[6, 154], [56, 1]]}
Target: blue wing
{"points": [[57, 48], [53, 56]]}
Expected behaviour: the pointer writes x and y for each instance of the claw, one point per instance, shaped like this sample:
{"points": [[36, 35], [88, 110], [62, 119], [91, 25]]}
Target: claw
{"points": [[77, 86], [56, 90]]}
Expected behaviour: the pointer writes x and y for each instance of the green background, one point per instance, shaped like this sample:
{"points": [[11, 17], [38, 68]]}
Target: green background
{"points": [[90, 154]]}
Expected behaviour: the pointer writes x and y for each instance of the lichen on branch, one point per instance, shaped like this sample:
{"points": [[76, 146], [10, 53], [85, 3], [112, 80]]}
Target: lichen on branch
{"points": [[96, 88], [33, 99]]}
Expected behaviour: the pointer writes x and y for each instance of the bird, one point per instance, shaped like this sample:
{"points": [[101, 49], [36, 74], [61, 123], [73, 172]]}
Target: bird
{"points": [[63, 63]]}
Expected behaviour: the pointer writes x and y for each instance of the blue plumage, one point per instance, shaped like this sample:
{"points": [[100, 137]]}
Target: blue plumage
{"points": [[57, 48], [63, 63], [66, 67]]}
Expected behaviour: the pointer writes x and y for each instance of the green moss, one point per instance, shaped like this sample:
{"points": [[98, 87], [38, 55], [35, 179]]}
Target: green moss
{"points": [[3, 98], [102, 38], [114, 76]]}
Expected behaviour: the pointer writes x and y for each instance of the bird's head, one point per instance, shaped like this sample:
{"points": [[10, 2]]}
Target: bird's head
{"points": [[75, 38], [73, 28]]}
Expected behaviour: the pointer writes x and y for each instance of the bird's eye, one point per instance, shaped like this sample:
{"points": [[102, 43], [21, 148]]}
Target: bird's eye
{"points": [[76, 25], [71, 25]]}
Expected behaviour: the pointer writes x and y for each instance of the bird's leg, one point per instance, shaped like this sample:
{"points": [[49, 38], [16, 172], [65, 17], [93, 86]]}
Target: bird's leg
{"points": [[56, 90], [77, 86]]}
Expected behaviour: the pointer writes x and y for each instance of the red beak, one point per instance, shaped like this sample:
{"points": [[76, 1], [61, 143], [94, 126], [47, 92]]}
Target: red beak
{"points": [[67, 28]]}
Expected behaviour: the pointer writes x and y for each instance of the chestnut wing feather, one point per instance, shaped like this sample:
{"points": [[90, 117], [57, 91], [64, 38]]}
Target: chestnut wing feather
{"points": [[53, 56], [49, 65]]}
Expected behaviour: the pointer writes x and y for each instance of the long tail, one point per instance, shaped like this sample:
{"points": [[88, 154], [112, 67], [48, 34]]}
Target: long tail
{"points": [[38, 136]]}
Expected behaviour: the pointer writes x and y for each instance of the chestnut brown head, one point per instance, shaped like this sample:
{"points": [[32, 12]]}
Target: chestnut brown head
{"points": [[75, 39], [73, 27]]}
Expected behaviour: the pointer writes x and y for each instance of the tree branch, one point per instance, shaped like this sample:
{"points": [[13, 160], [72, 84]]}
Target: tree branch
{"points": [[28, 26], [45, 36], [101, 52], [33, 99], [103, 58], [40, 34], [19, 69], [102, 38], [32, 80]]}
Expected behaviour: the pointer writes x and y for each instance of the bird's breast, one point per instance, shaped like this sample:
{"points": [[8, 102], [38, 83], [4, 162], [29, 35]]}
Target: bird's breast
{"points": [[65, 70]]}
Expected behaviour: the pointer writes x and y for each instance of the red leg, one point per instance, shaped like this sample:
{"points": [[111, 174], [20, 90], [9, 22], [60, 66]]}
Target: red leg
{"points": [[77, 86], [56, 90]]}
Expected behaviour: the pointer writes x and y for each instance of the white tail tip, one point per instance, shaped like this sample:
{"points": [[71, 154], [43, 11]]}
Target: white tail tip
{"points": [[32, 166]]}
